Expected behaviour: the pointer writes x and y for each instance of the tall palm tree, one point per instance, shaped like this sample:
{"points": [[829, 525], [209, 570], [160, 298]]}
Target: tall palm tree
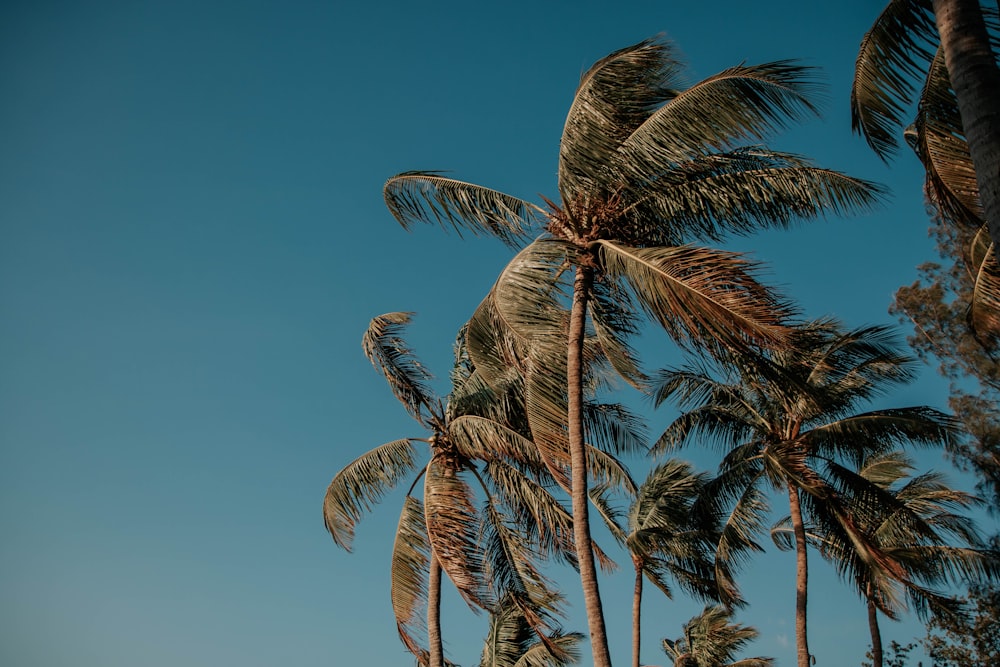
{"points": [[669, 542], [907, 37], [710, 640], [918, 523], [645, 168], [484, 552], [788, 419], [511, 641]]}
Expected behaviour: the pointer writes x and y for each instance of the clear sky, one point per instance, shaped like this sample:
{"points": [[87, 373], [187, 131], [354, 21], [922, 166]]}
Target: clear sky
{"points": [[193, 239]]}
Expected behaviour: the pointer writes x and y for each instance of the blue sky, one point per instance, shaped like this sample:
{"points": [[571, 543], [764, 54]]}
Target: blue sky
{"points": [[194, 240]]}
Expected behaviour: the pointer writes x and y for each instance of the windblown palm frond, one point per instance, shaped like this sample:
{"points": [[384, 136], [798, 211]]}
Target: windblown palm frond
{"points": [[891, 58], [429, 197], [711, 640], [510, 641], [385, 348]]}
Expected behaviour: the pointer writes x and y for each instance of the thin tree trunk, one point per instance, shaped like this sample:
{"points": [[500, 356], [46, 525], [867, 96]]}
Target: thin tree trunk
{"points": [[975, 79], [636, 612], [578, 463], [876, 633], [436, 657], [801, 578]]}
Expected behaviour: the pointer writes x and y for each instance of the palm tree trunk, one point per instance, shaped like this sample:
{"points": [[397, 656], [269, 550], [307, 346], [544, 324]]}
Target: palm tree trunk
{"points": [[578, 462], [636, 612], [436, 657], [876, 633], [801, 577], [975, 79]]}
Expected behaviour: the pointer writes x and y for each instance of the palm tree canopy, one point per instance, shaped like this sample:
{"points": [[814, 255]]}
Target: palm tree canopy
{"points": [[711, 640]]}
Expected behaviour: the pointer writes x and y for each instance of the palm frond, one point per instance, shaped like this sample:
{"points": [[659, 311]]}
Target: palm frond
{"points": [[452, 523], [699, 295], [385, 347], [363, 483], [429, 197], [890, 60], [410, 559], [984, 314], [739, 103], [614, 97]]}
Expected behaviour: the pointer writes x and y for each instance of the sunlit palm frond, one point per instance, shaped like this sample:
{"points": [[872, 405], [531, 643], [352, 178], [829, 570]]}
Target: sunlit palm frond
{"points": [[482, 439], [891, 58], [884, 430], [452, 522], [361, 484], [746, 102], [699, 295], [410, 559], [743, 191], [615, 96], [385, 347], [430, 197], [567, 652]]}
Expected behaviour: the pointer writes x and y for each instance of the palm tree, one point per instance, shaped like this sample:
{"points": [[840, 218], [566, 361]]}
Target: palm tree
{"points": [[710, 640], [909, 36], [483, 552], [788, 419], [511, 642], [645, 168], [667, 540], [916, 526]]}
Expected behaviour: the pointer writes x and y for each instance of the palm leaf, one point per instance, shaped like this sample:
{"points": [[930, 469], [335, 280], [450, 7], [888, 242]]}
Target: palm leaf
{"points": [[698, 294], [410, 559], [984, 314], [429, 197], [890, 59], [739, 103], [363, 483], [385, 347]]}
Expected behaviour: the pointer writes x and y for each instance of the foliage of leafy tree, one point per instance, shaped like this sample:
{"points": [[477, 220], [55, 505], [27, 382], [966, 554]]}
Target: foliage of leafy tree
{"points": [[645, 168], [938, 305], [897, 656], [970, 641]]}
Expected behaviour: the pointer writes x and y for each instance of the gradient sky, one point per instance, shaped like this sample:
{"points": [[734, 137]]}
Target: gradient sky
{"points": [[194, 240]]}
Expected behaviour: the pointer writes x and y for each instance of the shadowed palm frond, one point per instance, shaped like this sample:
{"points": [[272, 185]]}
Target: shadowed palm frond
{"points": [[429, 197], [361, 484], [984, 313], [615, 96], [891, 58]]}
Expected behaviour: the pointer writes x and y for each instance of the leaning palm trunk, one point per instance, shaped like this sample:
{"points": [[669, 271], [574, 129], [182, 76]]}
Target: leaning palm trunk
{"points": [[578, 463], [801, 578], [636, 611], [435, 656], [876, 633], [976, 79]]}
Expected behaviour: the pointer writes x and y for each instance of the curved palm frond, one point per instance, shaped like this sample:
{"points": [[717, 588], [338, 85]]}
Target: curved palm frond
{"points": [[615, 96], [410, 558], [746, 102], [389, 353], [429, 197], [891, 58], [984, 310], [361, 484], [698, 294]]}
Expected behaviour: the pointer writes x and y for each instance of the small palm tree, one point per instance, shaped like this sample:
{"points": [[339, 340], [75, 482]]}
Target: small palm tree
{"points": [[483, 552], [645, 168], [511, 642], [916, 526], [788, 419], [669, 542], [711, 640]]}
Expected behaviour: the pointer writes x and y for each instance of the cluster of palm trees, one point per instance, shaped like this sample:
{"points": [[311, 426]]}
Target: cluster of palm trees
{"points": [[522, 450]]}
